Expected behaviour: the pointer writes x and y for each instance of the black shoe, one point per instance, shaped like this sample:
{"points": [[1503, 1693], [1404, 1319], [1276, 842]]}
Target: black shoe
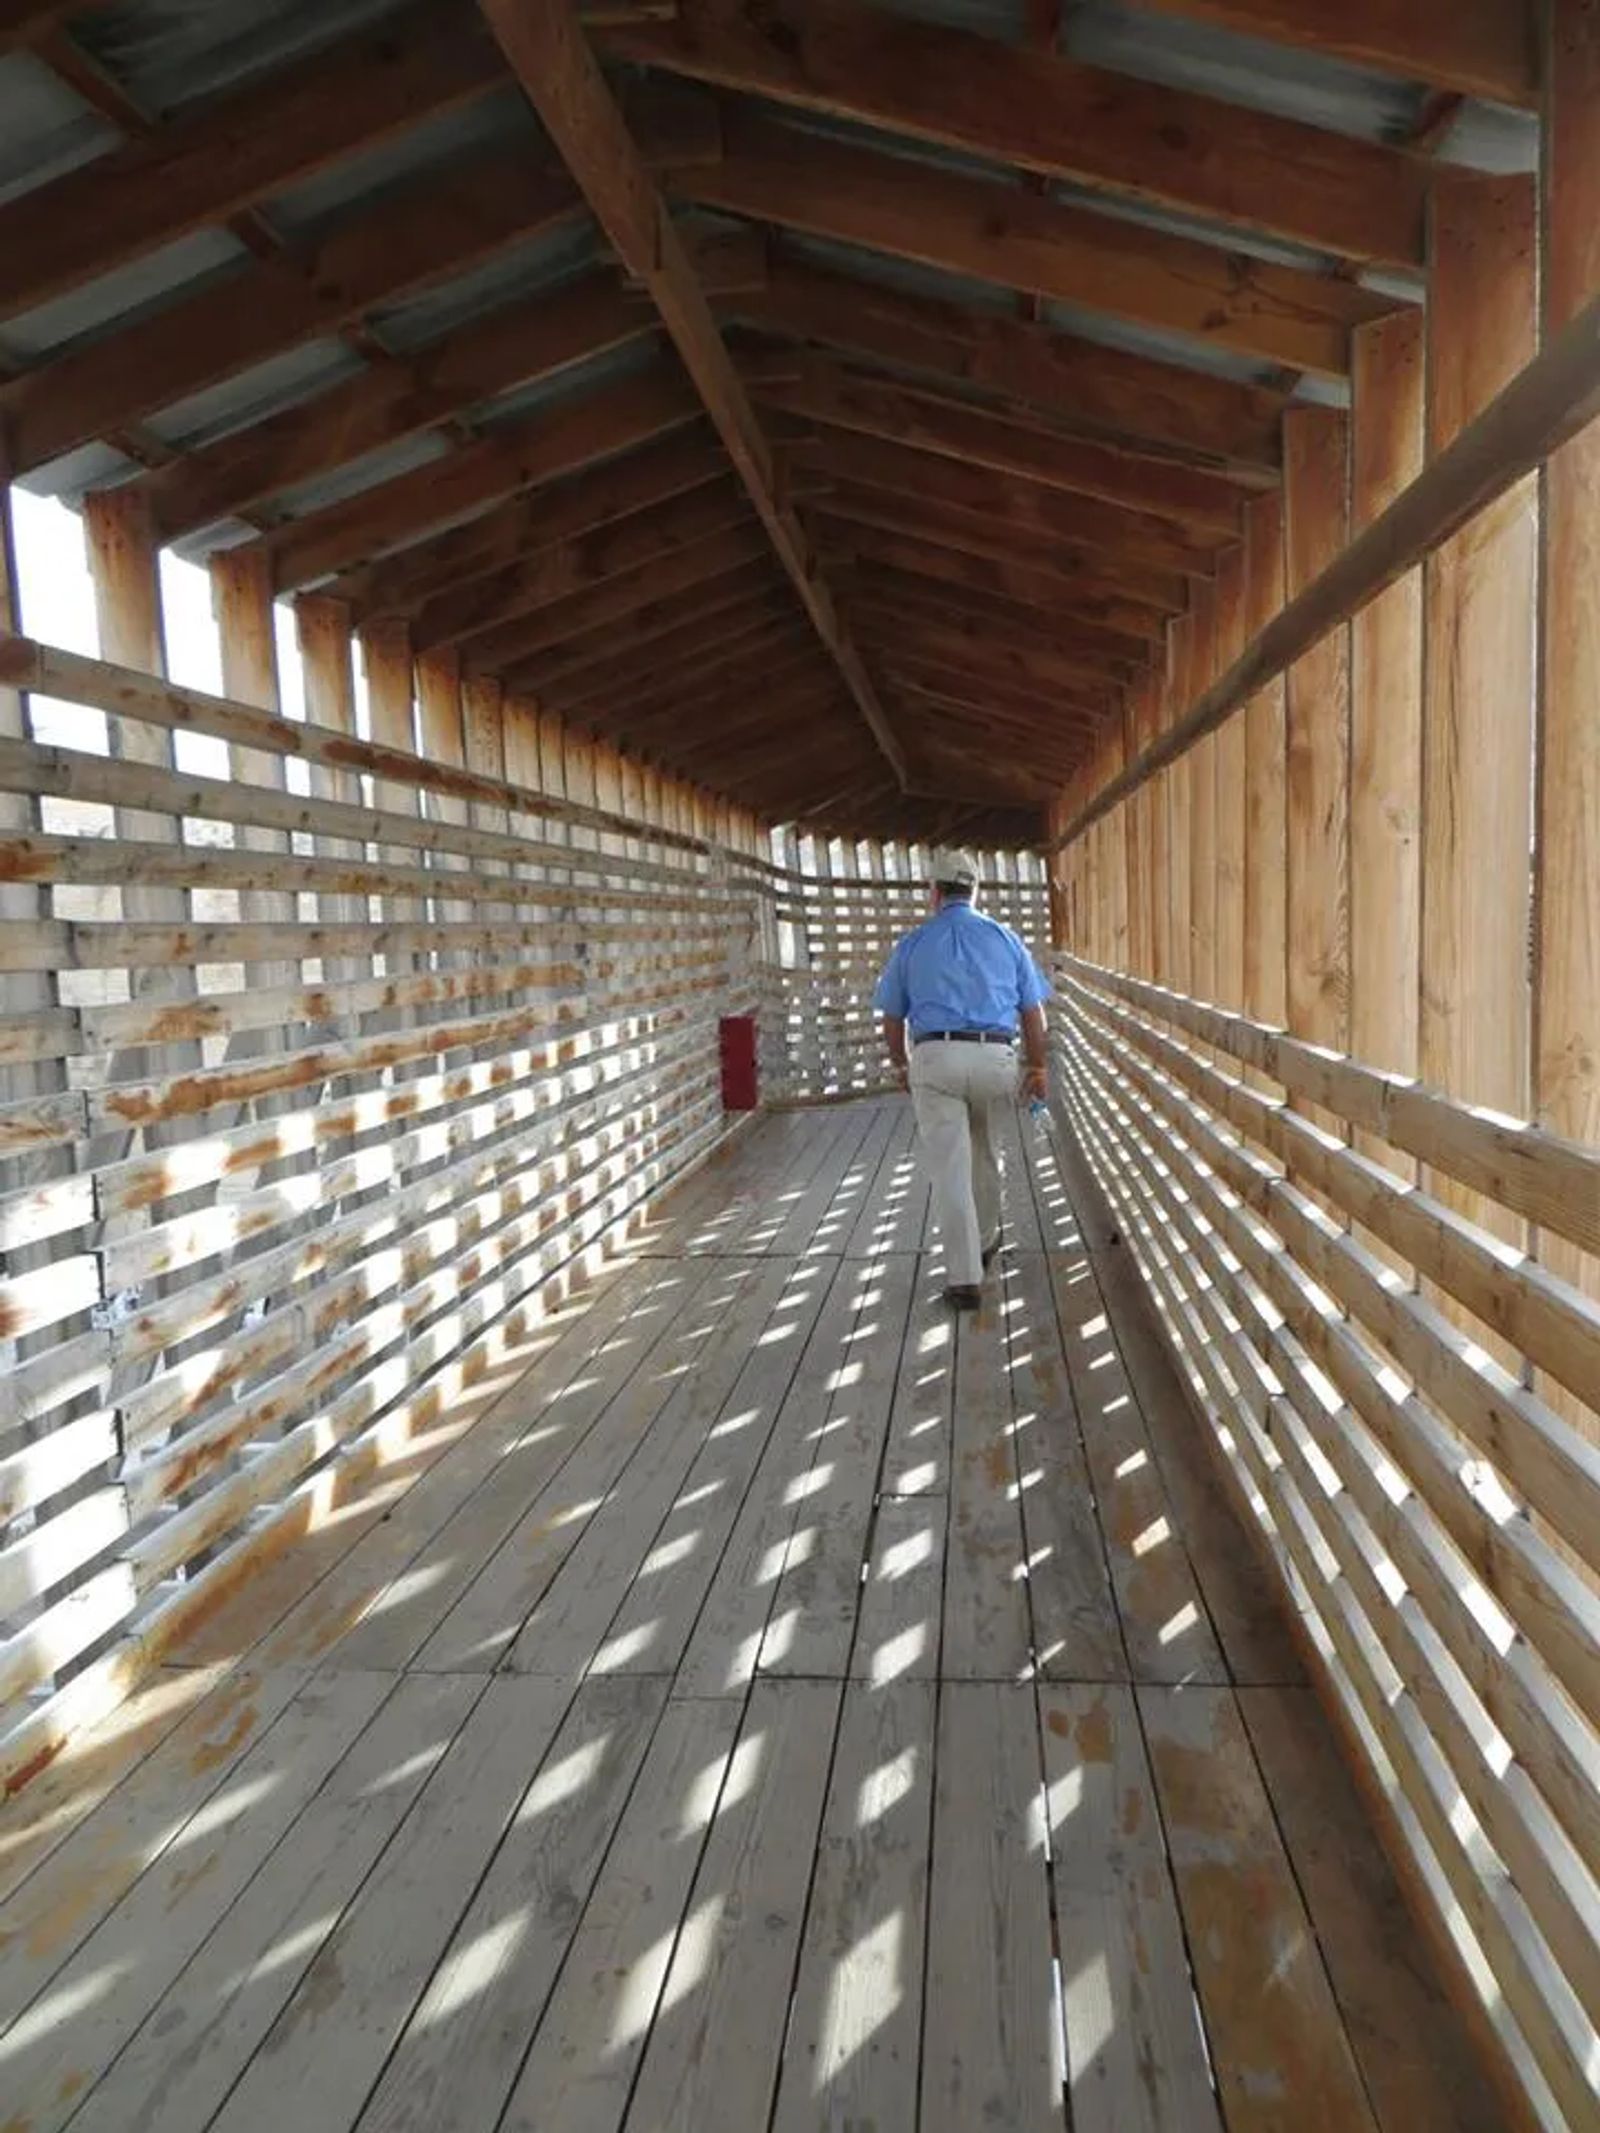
{"points": [[991, 1250], [962, 1298]]}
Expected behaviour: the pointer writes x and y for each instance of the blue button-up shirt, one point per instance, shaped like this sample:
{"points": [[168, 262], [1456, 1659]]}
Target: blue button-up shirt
{"points": [[962, 970]]}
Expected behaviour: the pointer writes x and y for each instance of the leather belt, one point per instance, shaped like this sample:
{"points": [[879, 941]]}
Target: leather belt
{"points": [[965, 1036]]}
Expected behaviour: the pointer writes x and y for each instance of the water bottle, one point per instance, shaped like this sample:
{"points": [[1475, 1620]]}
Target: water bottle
{"points": [[1039, 1113]]}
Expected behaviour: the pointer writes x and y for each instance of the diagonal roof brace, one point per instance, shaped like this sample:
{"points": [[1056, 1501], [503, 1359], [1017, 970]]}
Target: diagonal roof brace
{"points": [[548, 52]]}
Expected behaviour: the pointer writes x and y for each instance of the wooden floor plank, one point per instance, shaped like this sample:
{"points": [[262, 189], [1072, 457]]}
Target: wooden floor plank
{"points": [[1135, 2060], [893, 1213], [318, 2062], [855, 2028], [818, 1219], [987, 1632], [818, 1595], [1405, 2034], [991, 2050], [721, 1655], [661, 1601], [579, 2073], [795, 1561], [397, 1585], [308, 1597], [95, 2002], [1019, 1141], [58, 1906], [897, 1635], [199, 2037], [712, 2058], [489, 1615], [1164, 1620], [1277, 2041], [1076, 1632], [1245, 1616], [916, 1459], [459, 2056]]}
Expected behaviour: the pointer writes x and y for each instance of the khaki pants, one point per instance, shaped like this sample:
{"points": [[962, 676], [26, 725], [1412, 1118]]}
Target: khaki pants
{"points": [[957, 1091]]}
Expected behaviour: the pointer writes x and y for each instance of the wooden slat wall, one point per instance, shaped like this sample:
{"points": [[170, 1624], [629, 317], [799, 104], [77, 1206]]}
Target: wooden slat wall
{"points": [[847, 905], [421, 1045], [1409, 1414]]}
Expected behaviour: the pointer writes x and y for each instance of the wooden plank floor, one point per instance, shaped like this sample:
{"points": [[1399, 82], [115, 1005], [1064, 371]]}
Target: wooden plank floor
{"points": [[784, 1707]]}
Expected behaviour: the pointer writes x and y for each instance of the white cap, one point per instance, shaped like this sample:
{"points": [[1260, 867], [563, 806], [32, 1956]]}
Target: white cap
{"points": [[953, 866]]}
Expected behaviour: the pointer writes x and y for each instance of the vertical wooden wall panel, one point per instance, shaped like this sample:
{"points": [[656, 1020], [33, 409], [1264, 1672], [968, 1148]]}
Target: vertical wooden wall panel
{"points": [[1202, 768], [1567, 991], [1315, 528], [241, 592], [323, 631], [1479, 621], [1266, 780], [438, 686], [391, 712], [1176, 781], [1230, 793], [1386, 708], [120, 545]]}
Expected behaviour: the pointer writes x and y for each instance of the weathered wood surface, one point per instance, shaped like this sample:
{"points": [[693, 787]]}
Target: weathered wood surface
{"points": [[730, 1843]]}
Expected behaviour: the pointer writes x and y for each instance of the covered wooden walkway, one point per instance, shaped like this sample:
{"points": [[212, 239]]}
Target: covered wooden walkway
{"points": [[783, 1706]]}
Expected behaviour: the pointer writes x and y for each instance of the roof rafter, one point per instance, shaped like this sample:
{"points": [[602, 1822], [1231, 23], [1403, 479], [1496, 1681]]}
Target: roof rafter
{"points": [[1286, 316], [1049, 115], [549, 54]]}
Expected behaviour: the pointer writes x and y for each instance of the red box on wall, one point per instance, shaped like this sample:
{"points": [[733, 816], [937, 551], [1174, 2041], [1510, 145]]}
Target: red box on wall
{"points": [[738, 1038]]}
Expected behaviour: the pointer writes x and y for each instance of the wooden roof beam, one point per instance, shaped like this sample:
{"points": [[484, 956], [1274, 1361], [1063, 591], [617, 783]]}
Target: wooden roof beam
{"points": [[757, 630], [1000, 615], [673, 584], [1095, 701], [1481, 47], [551, 576], [986, 579], [1211, 421], [862, 513], [655, 639], [238, 148], [576, 520], [839, 398], [1282, 316], [1111, 533], [549, 55], [1051, 116], [521, 455]]}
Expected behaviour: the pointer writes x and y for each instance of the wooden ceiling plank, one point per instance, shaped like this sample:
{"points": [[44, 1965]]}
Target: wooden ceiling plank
{"points": [[987, 578], [1094, 701], [549, 55], [652, 633], [535, 339], [1085, 649], [767, 667], [865, 512], [575, 519], [1021, 668], [269, 306], [846, 400], [1018, 240], [699, 644], [255, 141], [551, 574], [519, 456], [998, 614], [1481, 47], [1212, 421], [1030, 508], [1051, 116], [655, 588]]}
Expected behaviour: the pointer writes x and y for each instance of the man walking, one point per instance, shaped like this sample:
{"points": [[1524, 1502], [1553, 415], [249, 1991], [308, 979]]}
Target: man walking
{"points": [[959, 989]]}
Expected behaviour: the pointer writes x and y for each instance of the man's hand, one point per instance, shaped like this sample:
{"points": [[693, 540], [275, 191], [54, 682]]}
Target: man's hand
{"points": [[1036, 1083]]}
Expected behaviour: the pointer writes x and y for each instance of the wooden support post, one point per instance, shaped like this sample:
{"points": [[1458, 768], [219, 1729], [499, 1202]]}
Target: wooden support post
{"points": [[241, 590], [322, 626], [1266, 854], [1566, 997], [1231, 777], [439, 738], [391, 714], [1315, 527], [1386, 708], [1202, 765], [1478, 703]]}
